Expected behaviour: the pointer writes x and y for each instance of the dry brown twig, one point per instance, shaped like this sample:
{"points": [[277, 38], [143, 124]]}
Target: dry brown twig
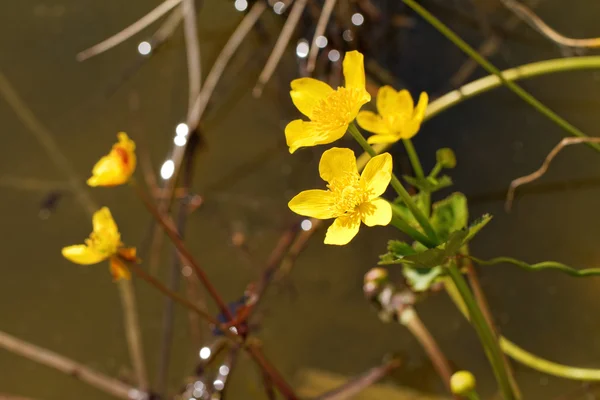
{"points": [[542, 170], [319, 31], [76, 370], [128, 32], [280, 46], [537, 23]]}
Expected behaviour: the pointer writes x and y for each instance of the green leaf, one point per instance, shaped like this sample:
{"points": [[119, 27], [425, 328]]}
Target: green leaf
{"points": [[446, 158], [428, 259], [455, 242], [420, 279], [402, 210], [400, 248], [429, 184], [449, 215], [476, 226]]}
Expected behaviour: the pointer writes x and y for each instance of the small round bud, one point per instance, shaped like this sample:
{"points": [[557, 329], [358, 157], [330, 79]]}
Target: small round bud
{"points": [[462, 383], [446, 158], [376, 275]]}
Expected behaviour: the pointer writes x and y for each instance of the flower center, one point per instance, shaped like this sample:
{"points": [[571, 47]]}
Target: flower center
{"points": [[348, 193], [123, 155], [337, 110], [103, 243]]}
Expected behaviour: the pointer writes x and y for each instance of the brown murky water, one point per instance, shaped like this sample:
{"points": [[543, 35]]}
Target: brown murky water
{"points": [[76, 311]]}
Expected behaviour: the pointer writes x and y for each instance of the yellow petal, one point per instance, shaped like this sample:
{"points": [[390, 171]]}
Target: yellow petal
{"points": [[300, 133], [421, 107], [103, 222], [306, 93], [372, 122], [337, 163], [354, 70], [313, 203], [118, 270], [394, 105], [376, 212], [343, 230], [383, 139], [107, 172], [82, 254], [377, 174]]}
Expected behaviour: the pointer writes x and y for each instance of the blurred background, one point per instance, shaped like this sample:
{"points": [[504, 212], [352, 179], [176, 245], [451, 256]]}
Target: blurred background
{"points": [[56, 110]]}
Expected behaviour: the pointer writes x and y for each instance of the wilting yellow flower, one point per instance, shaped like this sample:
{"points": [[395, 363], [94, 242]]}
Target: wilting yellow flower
{"points": [[351, 197], [117, 167], [397, 119], [104, 243], [330, 111]]}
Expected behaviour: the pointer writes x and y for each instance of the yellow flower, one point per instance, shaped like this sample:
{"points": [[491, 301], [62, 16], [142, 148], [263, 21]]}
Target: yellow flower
{"points": [[330, 111], [351, 198], [397, 119], [117, 167], [104, 243]]}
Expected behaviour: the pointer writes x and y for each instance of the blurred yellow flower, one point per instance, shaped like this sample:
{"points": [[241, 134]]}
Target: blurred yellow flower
{"points": [[117, 167], [330, 111], [351, 197], [104, 243], [397, 119]]}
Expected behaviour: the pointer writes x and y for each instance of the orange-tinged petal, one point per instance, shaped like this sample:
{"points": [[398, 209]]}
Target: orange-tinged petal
{"points": [[128, 253], [300, 133], [118, 270], [376, 212], [377, 174], [372, 122], [337, 163], [117, 167], [354, 70], [375, 139], [343, 230], [82, 254], [306, 93], [396, 105], [313, 203]]}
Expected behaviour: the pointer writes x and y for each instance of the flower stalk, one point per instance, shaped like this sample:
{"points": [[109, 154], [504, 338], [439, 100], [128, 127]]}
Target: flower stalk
{"points": [[397, 185]]}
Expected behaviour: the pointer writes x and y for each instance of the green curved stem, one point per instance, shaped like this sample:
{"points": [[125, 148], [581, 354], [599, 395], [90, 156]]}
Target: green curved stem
{"points": [[414, 158], [551, 265], [488, 66], [490, 82], [402, 225], [397, 185], [484, 331], [523, 356]]}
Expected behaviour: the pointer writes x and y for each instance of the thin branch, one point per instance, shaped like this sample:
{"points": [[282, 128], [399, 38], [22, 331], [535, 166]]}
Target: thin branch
{"points": [[192, 47], [4, 396], [128, 32], [284, 388], [280, 45], [76, 370], [234, 41], [537, 23], [360, 383], [33, 184], [319, 31], [133, 333], [409, 318], [169, 227], [542, 170]]}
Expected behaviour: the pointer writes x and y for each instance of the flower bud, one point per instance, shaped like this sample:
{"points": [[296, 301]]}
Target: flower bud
{"points": [[462, 383], [446, 158]]}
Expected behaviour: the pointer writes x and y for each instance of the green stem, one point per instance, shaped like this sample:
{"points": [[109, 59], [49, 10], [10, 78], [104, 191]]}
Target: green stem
{"points": [[436, 170], [484, 332], [473, 395], [403, 226], [416, 164], [526, 358], [397, 185], [518, 90], [414, 158]]}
